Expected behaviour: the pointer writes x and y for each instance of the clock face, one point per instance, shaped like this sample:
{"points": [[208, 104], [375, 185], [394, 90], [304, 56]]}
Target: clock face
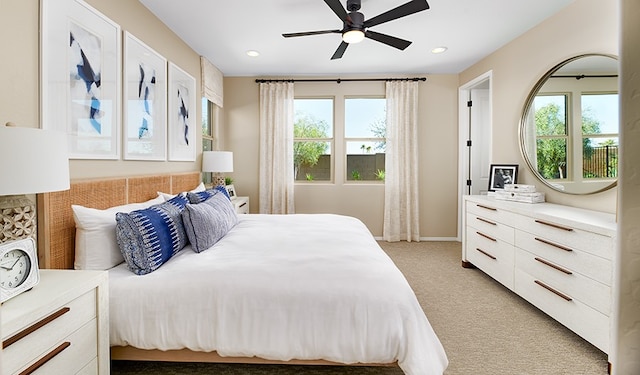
{"points": [[15, 266]]}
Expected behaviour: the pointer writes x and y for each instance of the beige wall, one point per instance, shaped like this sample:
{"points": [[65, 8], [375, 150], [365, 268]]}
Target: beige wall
{"points": [[19, 69], [585, 26], [438, 165]]}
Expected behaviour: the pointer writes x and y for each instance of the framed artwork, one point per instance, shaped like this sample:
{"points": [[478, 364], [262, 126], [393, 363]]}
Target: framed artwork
{"points": [[182, 115], [231, 190], [502, 174], [80, 73], [145, 106]]}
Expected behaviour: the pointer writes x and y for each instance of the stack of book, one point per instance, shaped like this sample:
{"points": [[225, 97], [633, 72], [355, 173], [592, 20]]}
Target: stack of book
{"points": [[520, 193]]}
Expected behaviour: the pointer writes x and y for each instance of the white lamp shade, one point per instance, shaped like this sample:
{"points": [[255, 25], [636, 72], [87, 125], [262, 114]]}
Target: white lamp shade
{"points": [[32, 161], [217, 161]]}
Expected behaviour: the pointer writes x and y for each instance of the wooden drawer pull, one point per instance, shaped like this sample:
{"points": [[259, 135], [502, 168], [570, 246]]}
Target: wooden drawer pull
{"points": [[555, 225], [553, 244], [547, 287], [487, 207], [487, 237], [546, 262], [36, 326], [46, 358], [486, 221], [487, 254]]}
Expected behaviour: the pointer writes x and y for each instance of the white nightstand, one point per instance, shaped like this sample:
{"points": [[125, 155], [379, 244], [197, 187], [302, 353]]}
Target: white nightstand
{"points": [[61, 326], [241, 204]]}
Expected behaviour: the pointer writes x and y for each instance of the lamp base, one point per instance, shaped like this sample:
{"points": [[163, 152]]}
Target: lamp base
{"points": [[17, 218], [217, 179]]}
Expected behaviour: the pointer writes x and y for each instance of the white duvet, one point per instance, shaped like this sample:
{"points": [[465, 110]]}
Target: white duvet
{"points": [[280, 287]]}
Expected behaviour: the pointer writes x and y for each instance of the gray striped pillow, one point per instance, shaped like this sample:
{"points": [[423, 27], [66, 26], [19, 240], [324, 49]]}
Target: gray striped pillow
{"points": [[207, 222]]}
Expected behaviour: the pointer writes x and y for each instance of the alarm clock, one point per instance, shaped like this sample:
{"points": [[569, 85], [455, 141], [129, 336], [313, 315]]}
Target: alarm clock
{"points": [[18, 267]]}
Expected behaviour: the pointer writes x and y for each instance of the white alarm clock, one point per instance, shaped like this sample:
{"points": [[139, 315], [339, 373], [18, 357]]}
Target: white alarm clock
{"points": [[18, 267]]}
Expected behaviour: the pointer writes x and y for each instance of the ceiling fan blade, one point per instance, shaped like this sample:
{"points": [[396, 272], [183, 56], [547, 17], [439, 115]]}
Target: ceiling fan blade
{"points": [[290, 35], [338, 9], [411, 7], [340, 51], [392, 41]]}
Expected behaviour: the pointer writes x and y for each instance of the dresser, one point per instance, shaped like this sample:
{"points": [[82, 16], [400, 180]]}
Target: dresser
{"points": [[241, 205], [558, 258], [61, 326]]}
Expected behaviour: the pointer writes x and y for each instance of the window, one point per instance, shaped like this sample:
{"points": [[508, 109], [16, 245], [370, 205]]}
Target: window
{"points": [[599, 135], [365, 128], [552, 135], [313, 139], [209, 122]]}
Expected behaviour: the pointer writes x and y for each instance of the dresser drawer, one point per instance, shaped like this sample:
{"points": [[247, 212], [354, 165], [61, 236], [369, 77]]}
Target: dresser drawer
{"points": [[592, 325], [54, 328], [489, 212], [495, 258], [494, 229], [565, 280], [595, 267], [578, 239], [74, 358]]}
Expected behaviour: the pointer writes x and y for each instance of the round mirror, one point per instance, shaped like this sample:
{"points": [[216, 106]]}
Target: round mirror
{"points": [[569, 125]]}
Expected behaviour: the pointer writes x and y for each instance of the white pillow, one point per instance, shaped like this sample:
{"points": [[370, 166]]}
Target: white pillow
{"points": [[96, 245], [167, 196]]}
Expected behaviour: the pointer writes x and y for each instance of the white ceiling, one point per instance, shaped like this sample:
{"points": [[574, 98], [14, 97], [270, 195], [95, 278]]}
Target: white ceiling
{"points": [[223, 31]]}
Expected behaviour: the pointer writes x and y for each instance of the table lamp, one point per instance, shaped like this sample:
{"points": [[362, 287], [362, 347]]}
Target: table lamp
{"points": [[217, 162], [31, 161]]}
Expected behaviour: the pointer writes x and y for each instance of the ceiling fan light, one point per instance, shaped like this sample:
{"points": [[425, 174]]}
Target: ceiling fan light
{"points": [[353, 36]]}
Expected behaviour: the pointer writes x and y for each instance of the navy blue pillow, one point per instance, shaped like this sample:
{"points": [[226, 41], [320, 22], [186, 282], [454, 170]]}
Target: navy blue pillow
{"points": [[201, 196], [150, 237]]}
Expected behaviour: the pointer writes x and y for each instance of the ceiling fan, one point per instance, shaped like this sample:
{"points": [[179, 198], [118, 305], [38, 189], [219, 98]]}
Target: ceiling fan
{"points": [[355, 27]]}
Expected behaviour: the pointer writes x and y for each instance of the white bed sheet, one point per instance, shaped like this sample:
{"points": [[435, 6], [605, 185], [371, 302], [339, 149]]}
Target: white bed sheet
{"points": [[280, 287]]}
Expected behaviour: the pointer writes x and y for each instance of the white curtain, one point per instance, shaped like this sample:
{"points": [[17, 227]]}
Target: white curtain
{"points": [[401, 214], [211, 77], [276, 148]]}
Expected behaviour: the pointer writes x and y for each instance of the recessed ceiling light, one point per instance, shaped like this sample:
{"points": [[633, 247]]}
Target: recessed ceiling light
{"points": [[438, 49], [253, 53]]}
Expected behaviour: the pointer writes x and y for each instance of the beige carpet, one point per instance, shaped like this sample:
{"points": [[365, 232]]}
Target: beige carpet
{"points": [[485, 328]]}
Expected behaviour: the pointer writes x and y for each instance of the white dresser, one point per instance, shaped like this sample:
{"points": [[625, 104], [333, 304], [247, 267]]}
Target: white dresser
{"points": [[241, 205], [61, 326], [558, 258]]}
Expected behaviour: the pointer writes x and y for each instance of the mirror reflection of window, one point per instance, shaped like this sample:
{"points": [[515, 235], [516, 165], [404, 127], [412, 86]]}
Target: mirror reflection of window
{"points": [[552, 135], [599, 135]]}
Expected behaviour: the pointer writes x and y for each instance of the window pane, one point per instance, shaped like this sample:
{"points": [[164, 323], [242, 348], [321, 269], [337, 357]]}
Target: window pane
{"points": [[364, 163], [552, 158], [313, 118], [600, 114], [600, 157], [312, 161], [551, 114], [206, 124], [365, 118]]}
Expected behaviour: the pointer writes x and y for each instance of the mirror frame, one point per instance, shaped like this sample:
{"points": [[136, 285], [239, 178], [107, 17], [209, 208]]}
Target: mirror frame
{"points": [[523, 121]]}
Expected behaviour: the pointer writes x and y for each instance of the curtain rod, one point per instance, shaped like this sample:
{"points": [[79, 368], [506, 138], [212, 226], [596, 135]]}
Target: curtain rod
{"points": [[581, 76], [339, 80]]}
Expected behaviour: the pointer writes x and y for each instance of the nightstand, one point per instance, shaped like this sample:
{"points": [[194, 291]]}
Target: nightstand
{"points": [[241, 204], [61, 326]]}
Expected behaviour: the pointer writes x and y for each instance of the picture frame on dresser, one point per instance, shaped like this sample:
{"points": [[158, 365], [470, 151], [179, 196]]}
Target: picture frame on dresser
{"points": [[501, 174], [81, 77], [231, 191]]}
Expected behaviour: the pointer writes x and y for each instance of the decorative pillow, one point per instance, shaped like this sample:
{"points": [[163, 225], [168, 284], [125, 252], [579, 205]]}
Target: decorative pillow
{"points": [[96, 246], [206, 223], [150, 237], [199, 197], [168, 196]]}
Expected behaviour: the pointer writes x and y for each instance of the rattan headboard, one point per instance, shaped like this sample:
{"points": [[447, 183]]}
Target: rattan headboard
{"points": [[56, 228]]}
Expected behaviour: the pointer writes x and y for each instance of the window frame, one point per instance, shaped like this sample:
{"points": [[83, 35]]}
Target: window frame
{"points": [[348, 177], [331, 140]]}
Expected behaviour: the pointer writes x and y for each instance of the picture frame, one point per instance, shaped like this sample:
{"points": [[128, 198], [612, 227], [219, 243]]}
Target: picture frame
{"points": [[231, 190], [183, 127], [501, 174], [145, 101], [80, 76]]}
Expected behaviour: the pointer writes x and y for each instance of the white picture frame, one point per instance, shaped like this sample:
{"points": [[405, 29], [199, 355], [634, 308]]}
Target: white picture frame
{"points": [[183, 126], [81, 77], [145, 101], [231, 191]]}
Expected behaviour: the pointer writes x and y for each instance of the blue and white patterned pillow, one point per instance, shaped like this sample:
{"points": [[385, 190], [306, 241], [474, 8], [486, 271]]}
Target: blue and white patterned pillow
{"points": [[206, 223], [201, 196], [150, 237]]}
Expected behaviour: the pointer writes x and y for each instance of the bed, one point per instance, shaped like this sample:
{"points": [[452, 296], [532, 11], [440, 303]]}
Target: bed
{"points": [[310, 289]]}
